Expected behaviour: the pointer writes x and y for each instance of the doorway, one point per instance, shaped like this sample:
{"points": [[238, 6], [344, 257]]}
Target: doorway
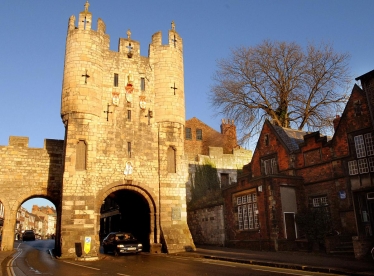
{"points": [[289, 219]]}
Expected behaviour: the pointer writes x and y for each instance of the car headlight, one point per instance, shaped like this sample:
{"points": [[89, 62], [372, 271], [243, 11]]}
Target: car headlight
{"points": [[140, 245], [120, 245]]}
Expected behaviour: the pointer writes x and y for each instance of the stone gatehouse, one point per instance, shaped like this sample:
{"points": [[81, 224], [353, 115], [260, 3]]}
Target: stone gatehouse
{"points": [[124, 117]]}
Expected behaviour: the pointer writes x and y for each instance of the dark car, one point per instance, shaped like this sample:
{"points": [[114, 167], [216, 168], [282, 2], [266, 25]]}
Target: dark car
{"points": [[28, 235], [121, 242]]}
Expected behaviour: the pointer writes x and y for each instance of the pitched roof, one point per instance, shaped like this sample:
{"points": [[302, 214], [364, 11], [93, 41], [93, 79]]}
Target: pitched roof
{"points": [[292, 138]]}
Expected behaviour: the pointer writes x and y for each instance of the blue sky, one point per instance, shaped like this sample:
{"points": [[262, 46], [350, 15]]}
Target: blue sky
{"points": [[33, 42], [33, 37]]}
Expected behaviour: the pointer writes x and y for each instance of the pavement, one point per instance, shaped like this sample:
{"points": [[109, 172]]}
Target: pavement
{"points": [[316, 262]]}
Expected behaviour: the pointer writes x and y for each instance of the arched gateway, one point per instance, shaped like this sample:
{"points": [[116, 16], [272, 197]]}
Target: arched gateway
{"points": [[124, 117]]}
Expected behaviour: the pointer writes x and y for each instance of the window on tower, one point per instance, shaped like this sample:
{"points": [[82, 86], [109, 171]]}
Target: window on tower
{"points": [[129, 149], [142, 84], [115, 80], [171, 155], [81, 154]]}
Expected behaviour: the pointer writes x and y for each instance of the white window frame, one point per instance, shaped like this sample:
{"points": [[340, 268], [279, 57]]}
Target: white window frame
{"points": [[369, 144], [360, 146], [352, 167], [319, 201], [363, 165], [364, 147], [247, 211]]}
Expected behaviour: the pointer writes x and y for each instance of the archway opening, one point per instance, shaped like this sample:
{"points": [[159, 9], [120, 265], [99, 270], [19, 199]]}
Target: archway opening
{"points": [[127, 211], [38, 214]]}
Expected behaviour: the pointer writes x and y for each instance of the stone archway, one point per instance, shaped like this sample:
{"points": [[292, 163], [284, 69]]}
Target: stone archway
{"points": [[127, 207]]}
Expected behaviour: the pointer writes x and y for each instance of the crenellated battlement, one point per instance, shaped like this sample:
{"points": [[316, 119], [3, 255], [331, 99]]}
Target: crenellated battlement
{"points": [[125, 45], [23, 142]]}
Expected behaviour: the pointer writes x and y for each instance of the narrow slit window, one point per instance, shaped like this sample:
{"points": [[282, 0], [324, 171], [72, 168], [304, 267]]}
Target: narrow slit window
{"points": [[115, 82], [171, 155], [129, 149], [81, 156], [142, 84], [129, 115]]}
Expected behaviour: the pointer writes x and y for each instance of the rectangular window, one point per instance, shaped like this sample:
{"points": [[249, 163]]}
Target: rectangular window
{"points": [[371, 164], [363, 165], [352, 167], [129, 115], [142, 84], [364, 147], [247, 211], [171, 161], [188, 133], [320, 201], [115, 83], [369, 144], [81, 152], [199, 134], [360, 146], [129, 149], [269, 166]]}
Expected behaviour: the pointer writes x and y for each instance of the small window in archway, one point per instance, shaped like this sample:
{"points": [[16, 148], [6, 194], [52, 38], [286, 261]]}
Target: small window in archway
{"points": [[80, 164], [171, 155]]}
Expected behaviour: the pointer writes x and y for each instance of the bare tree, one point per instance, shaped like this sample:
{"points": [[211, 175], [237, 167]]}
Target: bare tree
{"points": [[302, 89]]}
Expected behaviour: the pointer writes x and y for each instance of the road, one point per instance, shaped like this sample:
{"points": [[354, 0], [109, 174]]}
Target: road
{"points": [[33, 258]]}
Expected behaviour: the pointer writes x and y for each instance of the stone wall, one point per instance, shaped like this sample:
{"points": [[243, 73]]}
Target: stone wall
{"points": [[25, 173], [207, 225], [128, 134]]}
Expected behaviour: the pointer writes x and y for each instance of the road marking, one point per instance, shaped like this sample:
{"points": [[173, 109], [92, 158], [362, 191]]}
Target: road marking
{"points": [[123, 274], [221, 263], [11, 261], [288, 271], [94, 268]]}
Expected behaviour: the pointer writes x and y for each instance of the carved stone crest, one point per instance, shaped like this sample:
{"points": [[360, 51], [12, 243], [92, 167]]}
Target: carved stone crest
{"points": [[115, 98], [142, 102], [129, 88], [128, 168]]}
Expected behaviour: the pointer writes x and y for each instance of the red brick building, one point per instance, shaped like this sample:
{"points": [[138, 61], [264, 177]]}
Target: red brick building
{"points": [[293, 171], [200, 136]]}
